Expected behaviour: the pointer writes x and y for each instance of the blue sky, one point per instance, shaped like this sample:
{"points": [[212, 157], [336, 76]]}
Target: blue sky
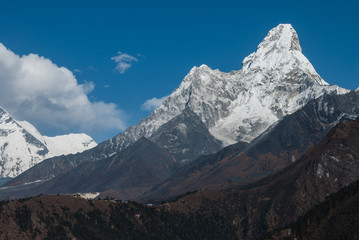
{"points": [[165, 39]]}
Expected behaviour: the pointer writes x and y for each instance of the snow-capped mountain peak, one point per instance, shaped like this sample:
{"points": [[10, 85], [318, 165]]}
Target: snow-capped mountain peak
{"points": [[22, 146], [283, 36], [280, 54], [275, 80], [282, 39]]}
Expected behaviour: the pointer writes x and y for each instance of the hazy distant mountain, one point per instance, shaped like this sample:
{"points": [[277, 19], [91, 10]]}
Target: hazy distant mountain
{"points": [[22, 146]]}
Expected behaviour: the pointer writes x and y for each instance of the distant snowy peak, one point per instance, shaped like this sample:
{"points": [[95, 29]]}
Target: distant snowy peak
{"points": [[19, 149], [22, 146], [63, 144]]}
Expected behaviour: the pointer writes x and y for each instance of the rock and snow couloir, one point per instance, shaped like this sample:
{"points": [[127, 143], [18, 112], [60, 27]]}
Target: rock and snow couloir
{"points": [[275, 80], [22, 146]]}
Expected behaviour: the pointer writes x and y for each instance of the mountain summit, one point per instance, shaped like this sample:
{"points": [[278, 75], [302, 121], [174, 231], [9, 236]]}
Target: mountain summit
{"points": [[275, 80], [280, 52]]}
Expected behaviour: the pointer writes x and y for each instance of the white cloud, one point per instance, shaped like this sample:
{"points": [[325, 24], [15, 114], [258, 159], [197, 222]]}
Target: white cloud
{"points": [[33, 88], [124, 61], [153, 103]]}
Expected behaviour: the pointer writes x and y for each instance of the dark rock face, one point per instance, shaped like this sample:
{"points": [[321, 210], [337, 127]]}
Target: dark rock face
{"points": [[4, 180], [325, 169], [279, 199], [307, 126], [275, 149], [130, 173], [185, 178], [52, 167], [335, 218], [186, 137]]}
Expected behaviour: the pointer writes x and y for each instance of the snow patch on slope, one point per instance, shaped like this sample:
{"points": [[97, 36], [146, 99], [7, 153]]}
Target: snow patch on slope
{"points": [[69, 144], [87, 195]]}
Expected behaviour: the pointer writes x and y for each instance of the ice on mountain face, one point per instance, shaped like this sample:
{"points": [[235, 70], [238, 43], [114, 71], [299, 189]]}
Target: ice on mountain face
{"points": [[22, 146], [275, 80]]}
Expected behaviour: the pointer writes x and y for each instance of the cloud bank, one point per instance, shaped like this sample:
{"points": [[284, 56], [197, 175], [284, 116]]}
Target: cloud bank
{"points": [[153, 103], [123, 61], [35, 89]]}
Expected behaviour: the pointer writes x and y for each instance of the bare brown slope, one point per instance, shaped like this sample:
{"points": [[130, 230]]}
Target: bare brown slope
{"points": [[66, 217], [335, 218], [281, 198]]}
